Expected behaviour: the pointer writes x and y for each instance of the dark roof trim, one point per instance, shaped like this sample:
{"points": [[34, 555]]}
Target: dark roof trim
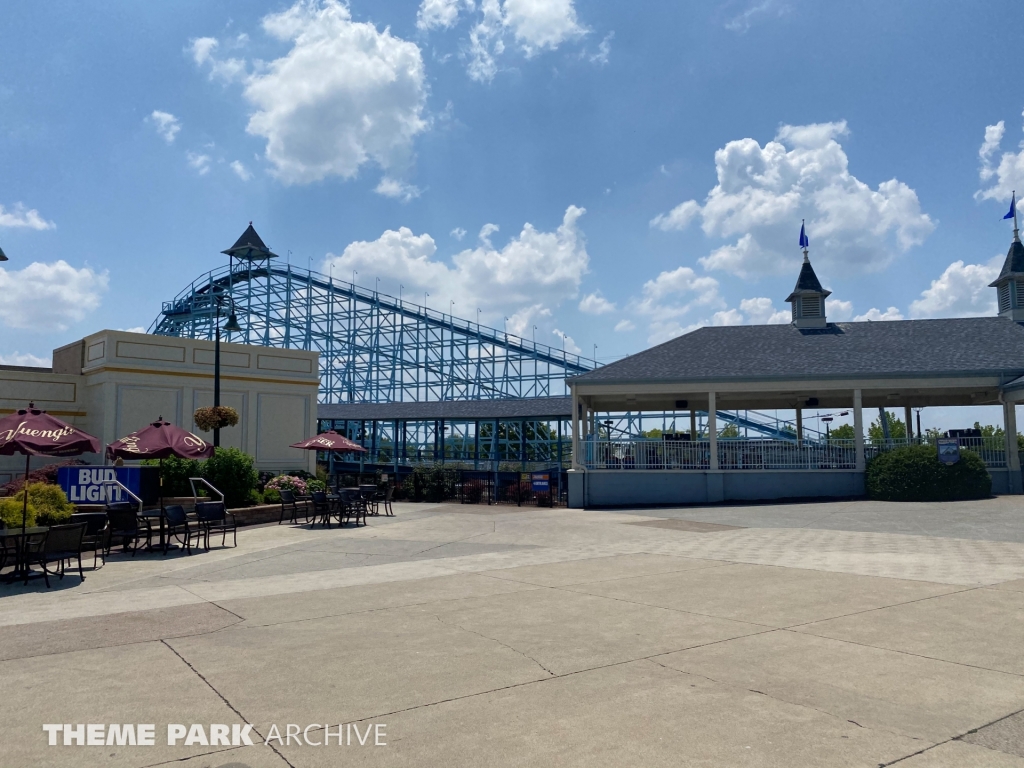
{"points": [[915, 375], [512, 408]]}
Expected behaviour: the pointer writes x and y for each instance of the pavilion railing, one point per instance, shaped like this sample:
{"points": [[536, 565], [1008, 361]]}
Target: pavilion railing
{"points": [[743, 454]]}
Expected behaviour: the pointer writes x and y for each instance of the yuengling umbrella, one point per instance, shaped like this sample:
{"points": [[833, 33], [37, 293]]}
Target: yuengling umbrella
{"points": [[329, 441], [34, 432], [160, 440]]}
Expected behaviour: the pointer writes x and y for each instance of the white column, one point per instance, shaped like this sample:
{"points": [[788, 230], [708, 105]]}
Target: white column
{"points": [[575, 420], [712, 431], [858, 428], [1012, 457]]}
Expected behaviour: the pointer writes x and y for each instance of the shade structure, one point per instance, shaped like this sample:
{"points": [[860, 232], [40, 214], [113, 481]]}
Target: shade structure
{"points": [[34, 432], [160, 440], [329, 441]]}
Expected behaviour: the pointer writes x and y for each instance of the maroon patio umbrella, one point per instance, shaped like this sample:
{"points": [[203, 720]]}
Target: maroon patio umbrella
{"points": [[160, 440], [329, 441], [34, 432]]}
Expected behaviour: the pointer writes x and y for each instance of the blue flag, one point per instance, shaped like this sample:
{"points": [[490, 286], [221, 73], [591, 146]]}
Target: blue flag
{"points": [[1013, 207], [804, 242]]}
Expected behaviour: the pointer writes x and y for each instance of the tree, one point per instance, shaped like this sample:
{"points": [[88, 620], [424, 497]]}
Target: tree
{"points": [[843, 432], [731, 430], [897, 429]]}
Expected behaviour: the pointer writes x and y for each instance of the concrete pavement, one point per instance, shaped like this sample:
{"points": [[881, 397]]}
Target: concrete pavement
{"points": [[848, 634]]}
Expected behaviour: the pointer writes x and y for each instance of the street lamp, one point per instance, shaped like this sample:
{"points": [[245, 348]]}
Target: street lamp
{"points": [[231, 326], [827, 420]]}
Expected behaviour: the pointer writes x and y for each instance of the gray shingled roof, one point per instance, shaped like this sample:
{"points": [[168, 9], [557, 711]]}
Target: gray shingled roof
{"points": [[1014, 264], [964, 346], [807, 281], [513, 408], [250, 246]]}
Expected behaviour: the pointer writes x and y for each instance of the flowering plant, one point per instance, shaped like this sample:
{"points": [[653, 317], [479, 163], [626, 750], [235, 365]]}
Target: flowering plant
{"points": [[287, 483], [215, 417]]}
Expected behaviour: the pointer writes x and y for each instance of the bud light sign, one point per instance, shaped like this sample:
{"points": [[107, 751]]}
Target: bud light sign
{"points": [[94, 485]]}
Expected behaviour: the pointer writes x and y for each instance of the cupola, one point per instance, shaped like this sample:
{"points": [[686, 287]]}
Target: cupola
{"points": [[808, 297], [1010, 283]]}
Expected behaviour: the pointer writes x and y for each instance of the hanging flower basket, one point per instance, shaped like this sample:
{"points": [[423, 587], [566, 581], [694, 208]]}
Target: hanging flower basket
{"points": [[216, 417]]}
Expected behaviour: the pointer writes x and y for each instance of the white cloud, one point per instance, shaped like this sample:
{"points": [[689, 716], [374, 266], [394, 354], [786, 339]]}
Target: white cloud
{"points": [[134, 329], [745, 20], [49, 297], [26, 359], [670, 297], [534, 272], [625, 325], [199, 162], [485, 233], [763, 192], [596, 304], [343, 96], [1008, 174], [542, 24], [567, 342], [960, 291], [837, 311], [22, 217], [226, 70], [166, 124], [440, 14], [727, 317], [240, 170], [875, 315], [398, 190], [761, 311], [533, 26], [458, 233]]}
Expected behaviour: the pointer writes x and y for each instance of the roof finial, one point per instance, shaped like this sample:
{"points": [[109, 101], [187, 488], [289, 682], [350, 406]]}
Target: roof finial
{"points": [[1012, 213], [804, 242]]}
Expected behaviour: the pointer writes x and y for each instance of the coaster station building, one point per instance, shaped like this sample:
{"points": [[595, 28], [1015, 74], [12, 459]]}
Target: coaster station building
{"points": [[809, 363]]}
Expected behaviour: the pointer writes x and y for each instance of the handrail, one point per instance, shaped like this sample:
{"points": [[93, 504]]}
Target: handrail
{"points": [[120, 485], [195, 496]]}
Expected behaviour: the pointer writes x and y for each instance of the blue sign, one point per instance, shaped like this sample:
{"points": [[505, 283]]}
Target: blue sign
{"points": [[540, 483], [85, 485], [949, 450]]}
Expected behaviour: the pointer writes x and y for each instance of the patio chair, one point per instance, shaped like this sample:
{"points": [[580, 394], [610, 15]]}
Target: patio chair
{"points": [[368, 493], [125, 528], [214, 518], [178, 526], [61, 542], [97, 534], [321, 508], [352, 507], [385, 501], [289, 506]]}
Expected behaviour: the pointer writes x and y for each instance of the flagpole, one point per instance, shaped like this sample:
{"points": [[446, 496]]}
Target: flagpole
{"points": [[1016, 235]]}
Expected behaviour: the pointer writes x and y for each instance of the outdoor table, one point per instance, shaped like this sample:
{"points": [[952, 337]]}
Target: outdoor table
{"points": [[20, 566], [151, 514]]}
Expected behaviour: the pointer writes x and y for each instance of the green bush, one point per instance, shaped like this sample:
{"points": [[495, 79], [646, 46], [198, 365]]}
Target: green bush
{"points": [[52, 506], [433, 484], [175, 473], [11, 509], [914, 473], [271, 496], [231, 472]]}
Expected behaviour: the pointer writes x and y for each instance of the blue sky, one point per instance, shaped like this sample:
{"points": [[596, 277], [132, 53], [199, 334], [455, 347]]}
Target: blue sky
{"points": [[615, 172]]}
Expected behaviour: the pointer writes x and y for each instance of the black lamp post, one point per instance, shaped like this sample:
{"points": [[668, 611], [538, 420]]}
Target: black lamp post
{"points": [[230, 327], [827, 420]]}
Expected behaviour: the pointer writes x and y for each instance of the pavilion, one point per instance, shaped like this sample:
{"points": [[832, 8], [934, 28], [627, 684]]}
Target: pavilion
{"points": [[808, 363]]}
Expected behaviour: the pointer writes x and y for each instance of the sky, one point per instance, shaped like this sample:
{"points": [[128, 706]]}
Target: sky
{"points": [[615, 174]]}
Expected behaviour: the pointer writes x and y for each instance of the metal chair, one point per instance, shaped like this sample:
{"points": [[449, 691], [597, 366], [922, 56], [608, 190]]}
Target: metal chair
{"points": [[97, 534], [62, 542], [178, 525], [213, 517], [124, 527], [289, 506], [353, 507], [385, 501], [321, 508]]}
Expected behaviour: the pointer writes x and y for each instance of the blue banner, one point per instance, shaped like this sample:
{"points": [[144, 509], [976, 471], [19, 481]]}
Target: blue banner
{"points": [[84, 485]]}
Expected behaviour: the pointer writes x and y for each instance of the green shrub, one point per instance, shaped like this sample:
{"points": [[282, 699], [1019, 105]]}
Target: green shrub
{"points": [[231, 472], [175, 473], [271, 496], [11, 509], [914, 473], [52, 506]]}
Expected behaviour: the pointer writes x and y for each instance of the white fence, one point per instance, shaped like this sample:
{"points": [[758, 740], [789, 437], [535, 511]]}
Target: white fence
{"points": [[736, 454]]}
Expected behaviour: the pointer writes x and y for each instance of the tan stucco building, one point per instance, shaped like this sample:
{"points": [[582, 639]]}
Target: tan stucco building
{"points": [[112, 383]]}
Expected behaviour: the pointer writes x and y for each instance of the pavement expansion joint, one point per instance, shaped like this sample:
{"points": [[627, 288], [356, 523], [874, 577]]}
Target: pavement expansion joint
{"points": [[495, 640]]}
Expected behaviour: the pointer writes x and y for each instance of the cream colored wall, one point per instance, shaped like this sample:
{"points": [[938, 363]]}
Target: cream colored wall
{"points": [[129, 379]]}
